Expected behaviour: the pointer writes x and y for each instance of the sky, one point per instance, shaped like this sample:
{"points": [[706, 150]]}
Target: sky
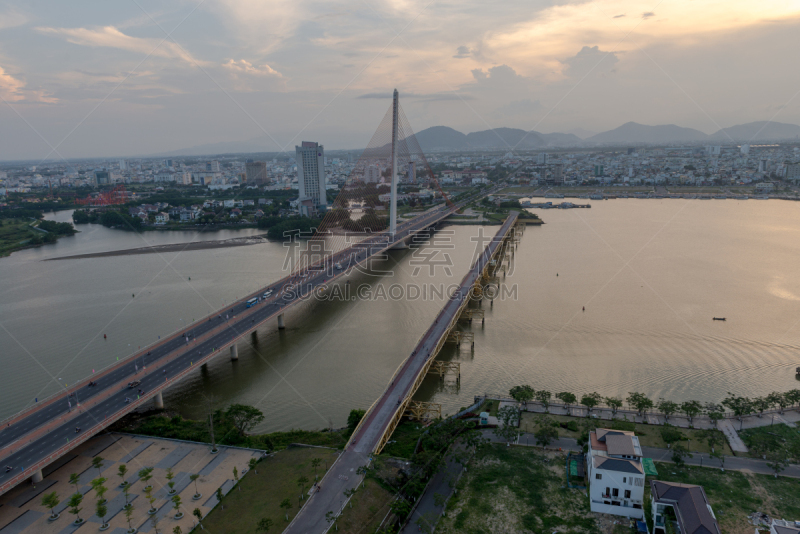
{"points": [[140, 77]]}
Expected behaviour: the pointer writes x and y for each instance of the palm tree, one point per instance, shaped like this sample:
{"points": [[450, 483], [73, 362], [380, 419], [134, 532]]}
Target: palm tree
{"points": [[194, 478], [50, 500]]}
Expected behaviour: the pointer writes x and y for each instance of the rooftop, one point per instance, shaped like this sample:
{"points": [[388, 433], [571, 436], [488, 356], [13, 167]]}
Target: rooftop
{"points": [[690, 504]]}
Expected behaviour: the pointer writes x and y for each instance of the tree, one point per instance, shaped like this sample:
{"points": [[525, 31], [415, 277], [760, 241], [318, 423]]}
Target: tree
{"points": [[315, 463], [691, 409], [145, 474], [74, 507], [154, 519], [254, 462], [176, 505], [235, 475], [590, 401], [614, 402], [543, 396], [566, 397], [102, 511], [349, 493], [740, 406], [301, 483], [522, 394], [75, 480], [244, 417], [193, 478], [679, 452], [286, 504], [170, 476], [331, 518], [51, 500], [509, 417], [219, 496], [128, 510], [264, 525], [177, 530], [715, 412], [667, 407], [760, 404], [97, 463], [792, 396], [545, 432], [639, 401], [122, 470], [401, 508], [99, 488], [778, 459], [199, 515], [778, 399], [354, 418]]}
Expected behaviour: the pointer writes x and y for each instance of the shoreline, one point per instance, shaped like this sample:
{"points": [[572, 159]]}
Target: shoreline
{"points": [[174, 247]]}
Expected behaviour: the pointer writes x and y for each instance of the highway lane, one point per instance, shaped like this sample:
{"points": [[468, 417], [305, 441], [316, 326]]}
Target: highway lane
{"points": [[21, 445], [342, 475]]}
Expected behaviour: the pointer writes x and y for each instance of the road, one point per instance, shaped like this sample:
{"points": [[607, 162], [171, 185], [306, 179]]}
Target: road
{"points": [[342, 476], [39, 435]]}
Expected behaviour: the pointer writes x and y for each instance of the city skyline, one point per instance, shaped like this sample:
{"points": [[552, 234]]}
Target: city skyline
{"points": [[146, 78]]}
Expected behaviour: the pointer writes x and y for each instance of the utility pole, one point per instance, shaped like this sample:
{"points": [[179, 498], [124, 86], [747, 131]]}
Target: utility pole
{"points": [[393, 202]]}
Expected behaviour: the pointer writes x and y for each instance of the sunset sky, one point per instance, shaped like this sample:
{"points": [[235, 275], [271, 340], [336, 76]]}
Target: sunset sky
{"points": [[141, 76]]}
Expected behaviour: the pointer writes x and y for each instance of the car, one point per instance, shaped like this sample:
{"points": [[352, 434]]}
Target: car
{"points": [[134, 383]]}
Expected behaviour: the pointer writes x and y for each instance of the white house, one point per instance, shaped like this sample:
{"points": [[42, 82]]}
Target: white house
{"points": [[616, 474], [686, 505], [162, 218]]}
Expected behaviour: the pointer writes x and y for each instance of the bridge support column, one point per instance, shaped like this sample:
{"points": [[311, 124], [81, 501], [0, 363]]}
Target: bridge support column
{"points": [[159, 401], [234, 352], [37, 477], [281, 325]]}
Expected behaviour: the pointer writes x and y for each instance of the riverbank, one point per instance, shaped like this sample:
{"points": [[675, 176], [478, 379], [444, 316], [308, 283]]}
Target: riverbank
{"points": [[21, 234], [174, 247]]}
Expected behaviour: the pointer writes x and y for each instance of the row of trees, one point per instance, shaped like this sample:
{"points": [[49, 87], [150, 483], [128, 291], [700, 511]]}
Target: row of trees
{"points": [[52, 500], [740, 406]]}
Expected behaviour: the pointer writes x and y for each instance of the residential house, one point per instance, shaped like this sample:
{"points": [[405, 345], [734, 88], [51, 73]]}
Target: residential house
{"points": [[616, 474], [236, 212], [686, 505], [162, 218]]}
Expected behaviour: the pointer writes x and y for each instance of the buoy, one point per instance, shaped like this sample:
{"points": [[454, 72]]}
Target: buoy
{"points": [[584, 308], [104, 336]]}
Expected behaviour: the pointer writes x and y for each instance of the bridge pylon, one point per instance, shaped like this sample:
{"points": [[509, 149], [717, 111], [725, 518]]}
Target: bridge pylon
{"points": [[423, 411]]}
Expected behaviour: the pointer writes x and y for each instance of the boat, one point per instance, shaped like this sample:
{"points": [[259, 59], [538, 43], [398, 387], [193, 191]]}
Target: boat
{"points": [[761, 197], [719, 318]]}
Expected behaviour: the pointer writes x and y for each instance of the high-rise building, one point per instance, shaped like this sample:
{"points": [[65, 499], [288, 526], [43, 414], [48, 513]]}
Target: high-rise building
{"points": [[793, 172], [598, 170], [102, 178], [541, 159], [123, 165], [763, 166], [744, 149], [256, 172], [558, 172], [411, 172], [311, 176], [373, 175], [212, 166]]}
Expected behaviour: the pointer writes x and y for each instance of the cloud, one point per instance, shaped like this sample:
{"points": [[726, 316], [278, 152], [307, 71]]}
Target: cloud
{"points": [[12, 18], [497, 76], [245, 67], [14, 90], [618, 16], [462, 52], [590, 59], [111, 37], [648, 14]]}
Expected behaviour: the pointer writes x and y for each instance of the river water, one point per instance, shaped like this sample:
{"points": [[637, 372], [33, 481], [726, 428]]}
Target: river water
{"points": [[651, 274]]}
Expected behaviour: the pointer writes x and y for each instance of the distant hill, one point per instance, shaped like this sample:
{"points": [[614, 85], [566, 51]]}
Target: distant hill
{"points": [[632, 132], [561, 139], [441, 138], [444, 138], [758, 131]]}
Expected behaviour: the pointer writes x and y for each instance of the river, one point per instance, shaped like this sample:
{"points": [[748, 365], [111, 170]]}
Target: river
{"points": [[651, 274]]}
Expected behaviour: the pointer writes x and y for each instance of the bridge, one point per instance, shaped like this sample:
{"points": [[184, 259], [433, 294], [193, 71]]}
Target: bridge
{"points": [[382, 418], [47, 430]]}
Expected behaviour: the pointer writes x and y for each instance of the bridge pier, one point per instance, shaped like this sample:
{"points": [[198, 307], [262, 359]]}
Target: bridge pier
{"points": [[234, 352], [281, 325], [159, 401], [37, 477]]}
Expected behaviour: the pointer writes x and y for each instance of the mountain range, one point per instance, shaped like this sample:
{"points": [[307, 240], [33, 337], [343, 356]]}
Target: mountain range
{"points": [[631, 133]]}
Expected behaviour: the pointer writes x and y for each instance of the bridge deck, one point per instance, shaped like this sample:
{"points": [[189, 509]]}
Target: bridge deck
{"points": [[381, 419], [47, 430]]}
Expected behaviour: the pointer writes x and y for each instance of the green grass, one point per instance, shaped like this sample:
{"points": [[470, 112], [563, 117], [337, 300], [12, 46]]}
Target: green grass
{"points": [[262, 493], [734, 495], [14, 235], [772, 437], [366, 509], [514, 487]]}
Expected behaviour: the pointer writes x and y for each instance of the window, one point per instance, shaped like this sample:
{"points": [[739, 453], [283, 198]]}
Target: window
{"points": [[608, 491], [627, 494], [615, 492], [598, 476], [624, 480]]}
